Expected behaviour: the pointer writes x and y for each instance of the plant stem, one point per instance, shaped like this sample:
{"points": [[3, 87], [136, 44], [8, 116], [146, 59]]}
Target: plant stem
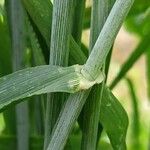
{"points": [[59, 53], [18, 46], [67, 119], [100, 11], [62, 129], [106, 38]]}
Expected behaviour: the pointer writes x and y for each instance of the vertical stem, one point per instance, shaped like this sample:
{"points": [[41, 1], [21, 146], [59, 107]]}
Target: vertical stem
{"points": [[75, 102], [100, 12], [93, 66], [59, 52], [18, 46], [67, 119]]}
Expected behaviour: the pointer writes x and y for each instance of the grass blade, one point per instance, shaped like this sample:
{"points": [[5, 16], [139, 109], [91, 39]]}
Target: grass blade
{"points": [[78, 20], [44, 22], [39, 80], [41, 14], [5, 53], [76, 55], [141, 48], [114, 120], [36, 49], [6, 68], [135, 117], [87, 18]]}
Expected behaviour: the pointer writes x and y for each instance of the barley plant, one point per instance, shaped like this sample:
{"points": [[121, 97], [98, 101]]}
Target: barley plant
{"points": [[53, 89]]}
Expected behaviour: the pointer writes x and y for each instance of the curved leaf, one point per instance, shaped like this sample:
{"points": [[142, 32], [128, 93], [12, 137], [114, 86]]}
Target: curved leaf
{"points": [[135, 120], [114, 119], [41, 14]]}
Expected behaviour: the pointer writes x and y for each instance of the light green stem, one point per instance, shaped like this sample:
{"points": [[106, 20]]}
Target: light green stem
{"points": [[59, 53], [106, 38], [63, 128], [100, 11]]}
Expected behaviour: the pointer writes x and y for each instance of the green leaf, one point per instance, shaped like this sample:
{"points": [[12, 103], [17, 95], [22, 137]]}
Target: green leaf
{"points": [[87, 18], [42, 79], [139, 23], [139, 7], [112, 116], [78, 20], [114, 119], [141, 48], [93, 66], [37, 80], [8, 142], [5, 45], [135, 120], [36, 49], [41, 14], [6, 68]]}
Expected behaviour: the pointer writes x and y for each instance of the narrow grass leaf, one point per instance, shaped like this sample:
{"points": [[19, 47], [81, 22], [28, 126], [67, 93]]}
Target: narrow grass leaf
{"points": [[39, 80], [78, 20], [43, 20], [141, 48], [6, 68], [135, 120], [41, 14], [87, 18], [76, 56], [35, 46], [114, 120], [9, 142], [5, 57]]}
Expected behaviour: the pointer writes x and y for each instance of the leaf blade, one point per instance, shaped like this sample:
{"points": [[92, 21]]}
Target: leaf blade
{"points": [[36, 80], [114, 119]]}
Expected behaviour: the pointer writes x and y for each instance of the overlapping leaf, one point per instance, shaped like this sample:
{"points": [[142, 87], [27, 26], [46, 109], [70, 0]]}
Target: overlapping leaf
{"points": [[39, 80], [114, 119]]}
